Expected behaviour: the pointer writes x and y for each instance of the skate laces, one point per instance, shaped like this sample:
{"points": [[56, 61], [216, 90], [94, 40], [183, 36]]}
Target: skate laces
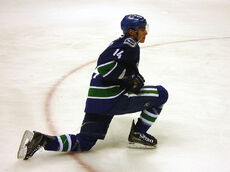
{"points": [[144, 137]]}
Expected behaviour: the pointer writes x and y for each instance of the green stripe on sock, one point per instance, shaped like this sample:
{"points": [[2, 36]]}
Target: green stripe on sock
{"points": [[147, 117], [65, 143]]}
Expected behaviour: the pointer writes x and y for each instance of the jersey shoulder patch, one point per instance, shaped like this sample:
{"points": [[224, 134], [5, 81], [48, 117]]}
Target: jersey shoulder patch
{"points": [[130, 42]]}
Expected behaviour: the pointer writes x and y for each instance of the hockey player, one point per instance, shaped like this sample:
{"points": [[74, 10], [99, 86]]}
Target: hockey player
{"points": [[116, 88]]}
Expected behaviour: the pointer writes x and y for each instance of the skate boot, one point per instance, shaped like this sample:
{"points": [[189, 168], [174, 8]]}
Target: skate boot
{"points": [[31, 142], [141, 140]]}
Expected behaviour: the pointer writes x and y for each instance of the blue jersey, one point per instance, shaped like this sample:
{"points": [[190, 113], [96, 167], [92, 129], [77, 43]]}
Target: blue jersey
{"points": [[120, 59]]}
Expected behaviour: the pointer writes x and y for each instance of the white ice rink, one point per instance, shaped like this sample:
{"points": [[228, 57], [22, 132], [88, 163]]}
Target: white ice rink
{"points": [[48, 51]]}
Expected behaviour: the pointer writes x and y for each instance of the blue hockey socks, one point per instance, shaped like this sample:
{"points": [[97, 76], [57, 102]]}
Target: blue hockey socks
{"points": [[70, 143], [147, 118]]}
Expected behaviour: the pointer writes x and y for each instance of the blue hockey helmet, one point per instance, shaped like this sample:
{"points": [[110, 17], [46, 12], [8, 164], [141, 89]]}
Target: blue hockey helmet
{"points": [[132, 21]]}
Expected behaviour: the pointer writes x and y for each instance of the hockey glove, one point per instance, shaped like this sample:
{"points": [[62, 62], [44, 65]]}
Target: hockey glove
{"points": [[133, 83]]}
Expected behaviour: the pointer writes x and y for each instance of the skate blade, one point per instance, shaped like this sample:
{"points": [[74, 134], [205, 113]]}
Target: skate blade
{"points": [[140, 146], [27, 137]]}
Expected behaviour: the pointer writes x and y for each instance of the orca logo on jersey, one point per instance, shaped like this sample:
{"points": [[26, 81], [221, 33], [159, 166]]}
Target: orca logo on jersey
{"points": [[130, 42]]}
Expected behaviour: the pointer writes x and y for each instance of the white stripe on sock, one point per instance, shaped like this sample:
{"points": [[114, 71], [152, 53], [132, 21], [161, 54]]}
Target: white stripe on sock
{"points": [[150, 114], [146, 121], [60, 143], [69, 142]]}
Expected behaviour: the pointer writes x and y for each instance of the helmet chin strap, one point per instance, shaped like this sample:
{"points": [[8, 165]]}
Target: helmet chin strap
{"points": [[140, 39], [136, 31], [136, 39], [147, 28], [137, 36]]}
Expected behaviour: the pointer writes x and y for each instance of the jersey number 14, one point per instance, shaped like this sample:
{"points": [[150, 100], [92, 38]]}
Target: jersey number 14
{"points": [[118, 53]]}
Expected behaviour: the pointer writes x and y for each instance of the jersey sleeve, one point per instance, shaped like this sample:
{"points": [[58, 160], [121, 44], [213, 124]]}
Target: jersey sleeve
{"points": [[111, 71]]}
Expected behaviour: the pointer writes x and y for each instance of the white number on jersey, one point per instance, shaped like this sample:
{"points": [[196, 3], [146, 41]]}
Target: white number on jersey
{"points": [[118, 53]]}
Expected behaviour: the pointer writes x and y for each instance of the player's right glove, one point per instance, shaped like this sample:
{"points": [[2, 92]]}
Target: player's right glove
{"points": [[133, 82]]}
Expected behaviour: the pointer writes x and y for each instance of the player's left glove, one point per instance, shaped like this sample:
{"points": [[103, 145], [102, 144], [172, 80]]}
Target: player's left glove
{"points": [[133, 82]]}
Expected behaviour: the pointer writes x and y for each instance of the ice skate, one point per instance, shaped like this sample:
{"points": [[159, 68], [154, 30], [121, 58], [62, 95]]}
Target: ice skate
{"points": [[31, 142], [141, 140]]}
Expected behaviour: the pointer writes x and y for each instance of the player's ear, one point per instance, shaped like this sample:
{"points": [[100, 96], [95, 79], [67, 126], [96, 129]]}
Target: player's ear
{"points": [[132, 33]]}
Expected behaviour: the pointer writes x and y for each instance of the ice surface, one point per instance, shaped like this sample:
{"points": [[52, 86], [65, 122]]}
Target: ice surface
{"points": [[43, 84]]}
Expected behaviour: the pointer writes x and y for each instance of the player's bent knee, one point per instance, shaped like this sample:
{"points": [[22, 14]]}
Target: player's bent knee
{"points": [[163, 95]]}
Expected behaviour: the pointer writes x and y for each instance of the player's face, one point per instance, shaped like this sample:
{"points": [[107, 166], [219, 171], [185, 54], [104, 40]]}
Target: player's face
{"points": [[142, 32]]}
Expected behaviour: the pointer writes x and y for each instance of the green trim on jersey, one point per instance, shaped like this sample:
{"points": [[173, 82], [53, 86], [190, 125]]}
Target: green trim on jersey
{"points": [[149, 92], [105, 92], [106, 68], [145, 92]]}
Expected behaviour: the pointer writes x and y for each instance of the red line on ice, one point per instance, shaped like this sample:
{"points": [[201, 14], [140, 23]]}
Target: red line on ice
{"points": [[48, 113], [49, 97]]}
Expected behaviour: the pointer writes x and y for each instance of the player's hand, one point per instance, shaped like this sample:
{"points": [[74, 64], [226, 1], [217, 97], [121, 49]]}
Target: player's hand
{"points": [[138, 83], [133, 83]]}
